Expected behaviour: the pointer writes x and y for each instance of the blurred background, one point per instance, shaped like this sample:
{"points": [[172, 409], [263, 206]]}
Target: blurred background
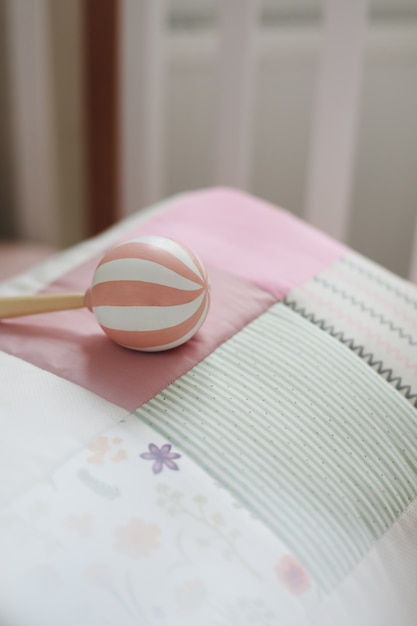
{"points": [[108, 106]]}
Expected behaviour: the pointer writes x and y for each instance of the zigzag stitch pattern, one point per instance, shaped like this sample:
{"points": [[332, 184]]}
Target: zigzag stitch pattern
{"points": [[358, 349], [379, 280], [367, 309], [330, 306], [346, 277]]}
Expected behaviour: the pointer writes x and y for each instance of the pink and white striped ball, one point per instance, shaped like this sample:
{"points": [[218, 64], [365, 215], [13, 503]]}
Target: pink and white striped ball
{"points": [[149, 294]]}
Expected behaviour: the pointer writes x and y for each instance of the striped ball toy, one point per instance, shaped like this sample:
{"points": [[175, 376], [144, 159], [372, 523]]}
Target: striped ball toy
{"points": [[150, 294]]}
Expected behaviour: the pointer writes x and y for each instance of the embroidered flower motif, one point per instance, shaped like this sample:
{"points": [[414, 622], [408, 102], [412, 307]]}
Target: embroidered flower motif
{"points": [[102, 446], [137, 538], [161, 456], [292, 575], [121, 455], [99, 448]]}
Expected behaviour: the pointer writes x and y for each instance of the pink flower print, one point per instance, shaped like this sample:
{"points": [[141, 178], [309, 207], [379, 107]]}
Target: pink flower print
{"points": [[100, 446], [161, 456], [292, 575], [121, 455], [137, 538]]}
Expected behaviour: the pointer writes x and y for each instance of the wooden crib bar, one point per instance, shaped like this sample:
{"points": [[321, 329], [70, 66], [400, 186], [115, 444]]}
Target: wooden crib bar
{"points": [[236, 61], [335, 117]]}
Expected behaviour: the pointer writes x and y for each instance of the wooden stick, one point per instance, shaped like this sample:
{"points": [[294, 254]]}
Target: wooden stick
{"points": [[28, 305]]}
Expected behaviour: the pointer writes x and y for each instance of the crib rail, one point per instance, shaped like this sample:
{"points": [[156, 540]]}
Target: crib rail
{"points": [[236, 67], [142, 95], [335, 117], [143, 77], [334, 122]]}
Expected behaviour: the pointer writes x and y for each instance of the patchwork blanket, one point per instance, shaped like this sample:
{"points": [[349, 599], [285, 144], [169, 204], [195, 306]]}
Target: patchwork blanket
{"points": [[265, 472]]}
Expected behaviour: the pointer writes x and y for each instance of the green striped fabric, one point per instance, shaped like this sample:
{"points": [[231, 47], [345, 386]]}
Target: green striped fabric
{"points": [[306, 435]]}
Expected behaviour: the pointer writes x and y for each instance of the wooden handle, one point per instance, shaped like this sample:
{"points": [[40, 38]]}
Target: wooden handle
{"points": [[28, 305]]}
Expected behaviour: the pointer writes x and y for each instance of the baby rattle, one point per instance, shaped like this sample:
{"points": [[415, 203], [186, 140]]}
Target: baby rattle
{"points": [[148, 294]]}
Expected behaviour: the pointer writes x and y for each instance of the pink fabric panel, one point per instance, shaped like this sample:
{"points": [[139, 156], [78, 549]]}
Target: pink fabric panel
{"points": [[260, 252], [72, 345], [247, 237]]}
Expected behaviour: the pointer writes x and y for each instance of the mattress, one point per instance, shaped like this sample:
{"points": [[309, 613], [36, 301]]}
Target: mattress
{"points": [[265, 472]]}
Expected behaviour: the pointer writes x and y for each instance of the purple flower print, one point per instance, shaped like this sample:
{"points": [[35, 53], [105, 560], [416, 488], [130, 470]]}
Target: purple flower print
{"points": [[161, 456]]}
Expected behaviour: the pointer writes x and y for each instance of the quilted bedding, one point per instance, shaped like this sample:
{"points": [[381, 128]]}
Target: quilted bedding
{"points": [[263, 473]]}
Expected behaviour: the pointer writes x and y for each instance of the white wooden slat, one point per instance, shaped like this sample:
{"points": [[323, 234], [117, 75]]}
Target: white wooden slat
{"points": [[141, 89], [236, 60], [32, 109], [413, 263], [335, 117]]}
